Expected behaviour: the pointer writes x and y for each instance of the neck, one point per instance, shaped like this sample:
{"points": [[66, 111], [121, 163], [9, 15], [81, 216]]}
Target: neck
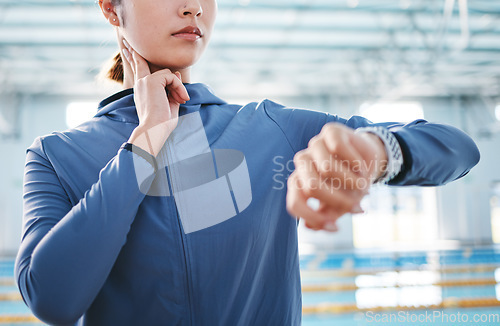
{"points": [[128, 75]]}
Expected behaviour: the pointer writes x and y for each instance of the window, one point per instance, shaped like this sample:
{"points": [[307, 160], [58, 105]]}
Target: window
{"points": [[495, 212], [392, 111], [79, 112], [404, 216]]}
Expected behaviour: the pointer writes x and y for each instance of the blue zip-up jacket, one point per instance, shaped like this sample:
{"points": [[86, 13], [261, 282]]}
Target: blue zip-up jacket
{"points": [[97, 250]]}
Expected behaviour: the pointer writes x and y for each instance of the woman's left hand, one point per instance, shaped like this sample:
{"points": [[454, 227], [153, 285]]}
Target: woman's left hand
{"points": [[337, 168]]}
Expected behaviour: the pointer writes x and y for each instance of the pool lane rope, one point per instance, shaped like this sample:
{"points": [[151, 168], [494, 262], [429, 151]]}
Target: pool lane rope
{"points": [[337, 287], [18, 319], [339, 308], [333, 308], [372, 271]]}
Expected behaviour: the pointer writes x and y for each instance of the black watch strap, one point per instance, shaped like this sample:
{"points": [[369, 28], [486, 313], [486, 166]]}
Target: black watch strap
{"points": [[142, 153]]}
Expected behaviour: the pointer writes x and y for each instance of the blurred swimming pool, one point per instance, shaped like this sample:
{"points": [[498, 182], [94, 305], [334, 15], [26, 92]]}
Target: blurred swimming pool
{"points": [[449, 287]]}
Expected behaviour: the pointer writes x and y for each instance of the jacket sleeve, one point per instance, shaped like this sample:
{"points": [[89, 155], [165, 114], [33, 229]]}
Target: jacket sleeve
{"points": [[67, 252], [434, 154]]}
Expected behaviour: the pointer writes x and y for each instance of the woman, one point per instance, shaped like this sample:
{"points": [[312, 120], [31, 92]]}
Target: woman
{"points": [[166, 209]]}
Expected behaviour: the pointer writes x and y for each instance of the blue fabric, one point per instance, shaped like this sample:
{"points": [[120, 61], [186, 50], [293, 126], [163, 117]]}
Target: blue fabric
{"points": [[97, 251]]}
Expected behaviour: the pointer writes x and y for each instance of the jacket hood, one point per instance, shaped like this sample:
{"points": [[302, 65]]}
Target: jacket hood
{"points": [[121, 106]]}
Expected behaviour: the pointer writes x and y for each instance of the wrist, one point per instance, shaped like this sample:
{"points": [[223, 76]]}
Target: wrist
{"points": [[393, 154], [151, 137], [381, 159], [142, 153], [141, 138]]}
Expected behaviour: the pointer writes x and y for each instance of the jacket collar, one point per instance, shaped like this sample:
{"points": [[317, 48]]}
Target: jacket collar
{"points": [[120, 106]]}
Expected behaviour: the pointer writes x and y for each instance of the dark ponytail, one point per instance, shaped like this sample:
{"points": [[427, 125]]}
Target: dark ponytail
{"points": [[115, 70]]}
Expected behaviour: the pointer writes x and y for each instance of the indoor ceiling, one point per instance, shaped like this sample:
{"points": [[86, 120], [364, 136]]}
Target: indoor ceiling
{"points": [[365, 48]]}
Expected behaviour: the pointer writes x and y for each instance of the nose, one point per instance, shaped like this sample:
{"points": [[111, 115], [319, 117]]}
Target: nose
{"points": [[191, 8]]}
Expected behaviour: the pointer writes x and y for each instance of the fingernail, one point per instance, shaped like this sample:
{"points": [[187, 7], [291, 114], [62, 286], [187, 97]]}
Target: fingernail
{"points": [[313, 203], [126, 54], [309, 226], [126, 44], [331, 227], [357, 209]]}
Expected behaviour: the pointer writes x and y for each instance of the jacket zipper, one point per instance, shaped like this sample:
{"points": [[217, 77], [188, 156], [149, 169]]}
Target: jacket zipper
{"points": [[186, 262], [183, 239]]}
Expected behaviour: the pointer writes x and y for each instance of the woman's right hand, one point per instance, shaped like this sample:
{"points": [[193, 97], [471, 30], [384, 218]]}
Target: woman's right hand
{"points": [[157, 110]]}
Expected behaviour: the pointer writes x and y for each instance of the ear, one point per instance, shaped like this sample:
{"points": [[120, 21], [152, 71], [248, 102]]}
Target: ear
{"points": [[109, 11]]}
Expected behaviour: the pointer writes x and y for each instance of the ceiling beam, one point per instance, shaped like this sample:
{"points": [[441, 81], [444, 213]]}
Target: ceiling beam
{"points": [[371, 6], [399, 29]]}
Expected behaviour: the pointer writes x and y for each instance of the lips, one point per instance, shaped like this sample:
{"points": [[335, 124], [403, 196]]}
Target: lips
{"points": [[189, 33]]}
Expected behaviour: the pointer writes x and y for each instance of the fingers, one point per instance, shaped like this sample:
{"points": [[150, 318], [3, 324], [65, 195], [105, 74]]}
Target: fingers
{"points": [[174, 84], [334, 169], [333, 217], [128, 58], [339, 141], [139, 65], [327, 190], [341, 167], [341, 156], [140, 68], [325, 217], [174, 105], [296, 204], [333, 202]]}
